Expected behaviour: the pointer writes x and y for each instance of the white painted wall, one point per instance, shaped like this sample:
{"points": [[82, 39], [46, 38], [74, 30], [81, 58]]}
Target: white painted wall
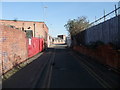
{"points": [[68, 41]]}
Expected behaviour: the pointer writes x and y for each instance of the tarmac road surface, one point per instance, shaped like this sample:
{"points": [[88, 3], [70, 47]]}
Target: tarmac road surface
{"points": [[60, 67]]}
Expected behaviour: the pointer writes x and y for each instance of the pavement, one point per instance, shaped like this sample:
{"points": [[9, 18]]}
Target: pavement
{"points": [[59, 67]]}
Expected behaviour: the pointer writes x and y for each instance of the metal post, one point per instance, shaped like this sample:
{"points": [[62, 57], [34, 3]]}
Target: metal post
{"points": [[104, 15], [44, 13], [115, 10], [23, 27], [95, 20]]}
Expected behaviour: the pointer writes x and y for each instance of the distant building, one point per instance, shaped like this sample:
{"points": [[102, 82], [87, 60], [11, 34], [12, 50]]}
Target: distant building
{"points": [[60, 39], [119, 8]]}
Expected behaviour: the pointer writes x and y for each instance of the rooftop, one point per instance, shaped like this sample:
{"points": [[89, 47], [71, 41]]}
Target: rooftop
{"points": [[21, 21]]}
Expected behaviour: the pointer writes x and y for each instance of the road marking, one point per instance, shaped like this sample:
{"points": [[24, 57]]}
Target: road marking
{"points": [[48, 74], [51, 68], [38, 77], [92, 73]]}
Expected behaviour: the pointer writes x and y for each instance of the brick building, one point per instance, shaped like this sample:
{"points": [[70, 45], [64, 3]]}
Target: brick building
{"points": [[60, 39], [32, 28]]}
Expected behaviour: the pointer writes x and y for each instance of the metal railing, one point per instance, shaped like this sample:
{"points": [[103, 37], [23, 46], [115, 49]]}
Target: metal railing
{"points": [[115, 12]]}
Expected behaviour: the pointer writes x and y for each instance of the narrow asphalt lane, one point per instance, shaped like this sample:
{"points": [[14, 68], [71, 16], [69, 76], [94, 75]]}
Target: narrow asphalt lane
{"points": [[71, 70], [68, 73], [58, 67]]}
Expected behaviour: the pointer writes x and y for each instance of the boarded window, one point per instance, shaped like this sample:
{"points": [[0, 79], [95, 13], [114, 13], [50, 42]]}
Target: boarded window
{"points": [[29, 33]]}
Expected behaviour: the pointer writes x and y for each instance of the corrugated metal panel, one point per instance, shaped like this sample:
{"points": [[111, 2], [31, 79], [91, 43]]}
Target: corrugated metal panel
{"points": [[106, 32]]}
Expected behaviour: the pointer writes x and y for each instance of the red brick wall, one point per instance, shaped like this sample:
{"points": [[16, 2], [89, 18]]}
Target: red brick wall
{"points": [[14, 47], [105, 54], [0, 52]]}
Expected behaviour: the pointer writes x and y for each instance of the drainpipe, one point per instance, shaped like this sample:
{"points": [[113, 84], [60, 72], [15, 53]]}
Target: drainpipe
{"points": [[34, 29], [23, 27]]}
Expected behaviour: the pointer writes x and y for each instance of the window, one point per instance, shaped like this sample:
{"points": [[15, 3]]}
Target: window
{"points": [[29, 33]]}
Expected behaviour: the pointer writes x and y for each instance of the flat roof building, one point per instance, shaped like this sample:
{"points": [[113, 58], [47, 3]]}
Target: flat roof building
{"points": [[32, 28]]}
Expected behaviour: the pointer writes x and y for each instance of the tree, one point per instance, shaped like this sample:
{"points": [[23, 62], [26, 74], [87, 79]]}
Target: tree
{"points": [[15, 20], [77, 25]]}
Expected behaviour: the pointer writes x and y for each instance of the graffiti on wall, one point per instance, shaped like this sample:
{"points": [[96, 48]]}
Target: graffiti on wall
{"points": [[2, 39], [17, 58], [15, 46], [5, 60]]}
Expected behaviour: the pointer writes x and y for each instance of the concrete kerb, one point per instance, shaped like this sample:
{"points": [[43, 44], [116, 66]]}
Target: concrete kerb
{"points": [[20, 66]]}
